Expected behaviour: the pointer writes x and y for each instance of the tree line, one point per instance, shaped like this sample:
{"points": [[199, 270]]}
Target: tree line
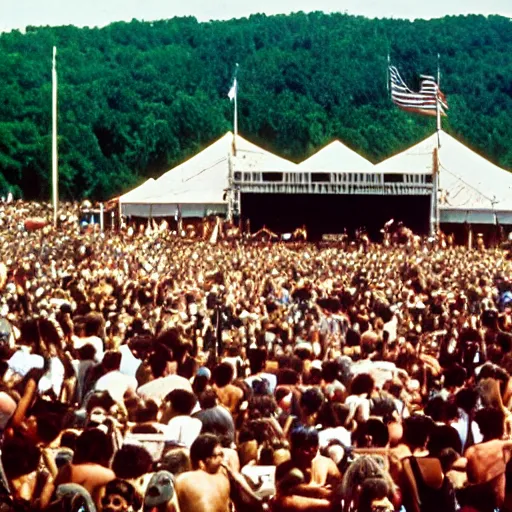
{"points": [[137, 98]]}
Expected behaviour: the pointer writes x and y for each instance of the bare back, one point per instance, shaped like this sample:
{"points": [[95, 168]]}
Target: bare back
{"points": [[199, 491]]}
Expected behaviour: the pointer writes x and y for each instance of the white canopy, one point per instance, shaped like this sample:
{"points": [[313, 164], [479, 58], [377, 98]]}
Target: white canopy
{"points": [[140, 192], [197, 187], [472, 189], [336, 157]]}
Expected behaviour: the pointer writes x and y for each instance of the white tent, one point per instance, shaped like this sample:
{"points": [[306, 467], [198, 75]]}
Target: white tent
{"points": [[197, 187], [336, 157], [142, 191], [472, 189]]}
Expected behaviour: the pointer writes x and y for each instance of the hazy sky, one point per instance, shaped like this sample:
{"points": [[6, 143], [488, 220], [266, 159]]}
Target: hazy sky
{"points": [[20, 13]]}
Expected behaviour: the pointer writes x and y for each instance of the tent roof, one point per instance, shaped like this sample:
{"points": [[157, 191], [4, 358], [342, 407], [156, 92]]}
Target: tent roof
{"points": [[336, 157], [147, 188], [203, 178], [466, 179]]}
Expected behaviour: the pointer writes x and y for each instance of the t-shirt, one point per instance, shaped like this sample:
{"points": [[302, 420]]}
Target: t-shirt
{"points": [[129, 363], [53, 378], [23, 361], [117, 384], [269, 377], [96, 342], [158, 389], [338, 433], [183, 429]]}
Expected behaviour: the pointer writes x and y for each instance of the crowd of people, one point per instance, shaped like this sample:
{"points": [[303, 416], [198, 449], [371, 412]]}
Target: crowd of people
{"points": [[144, 372]]}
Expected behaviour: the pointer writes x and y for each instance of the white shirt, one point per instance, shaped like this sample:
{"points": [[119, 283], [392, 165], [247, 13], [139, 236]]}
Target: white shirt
{"points": [[23, 361], [129, 363], [53, 378], [117, 384], [461, 426], [159, 388], [339, 434], [96, 342], [269, 377], [183, 429]]}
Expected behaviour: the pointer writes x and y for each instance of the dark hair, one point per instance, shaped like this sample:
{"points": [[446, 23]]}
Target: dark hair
{"points": [[20, 457], [111, 360], [49, 426], [202, 448], [94, 446], [372, 489], [262, 406], [304, 437], [287, 377], [311, 400], [102, 399], [330, 371], [454, 376], [182, 401], [223, 374], [490, 422], [158, 360], [372, 433], [466, 399], [257, 359], [126, 490], [441, 437], [94, 322], [200, 383], [175, 461], [146, 412], [68, 440], [86, 352], [436, 408], [417, 429], [131, 461], [208, 399], [362, 384]]}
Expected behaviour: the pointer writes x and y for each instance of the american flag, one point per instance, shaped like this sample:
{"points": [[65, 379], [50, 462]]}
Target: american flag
{"points": [[424, 101]]}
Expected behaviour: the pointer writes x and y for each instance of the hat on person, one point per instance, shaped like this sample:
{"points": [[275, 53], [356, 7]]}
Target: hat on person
{"points": [[204, 372], [160, 490]]}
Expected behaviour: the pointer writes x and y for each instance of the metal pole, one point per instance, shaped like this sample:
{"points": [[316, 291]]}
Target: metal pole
{"points": [[102, 219], [55, 172]]}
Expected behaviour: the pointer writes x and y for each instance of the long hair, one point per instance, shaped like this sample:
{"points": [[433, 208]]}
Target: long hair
{"points": [[366, 466]]}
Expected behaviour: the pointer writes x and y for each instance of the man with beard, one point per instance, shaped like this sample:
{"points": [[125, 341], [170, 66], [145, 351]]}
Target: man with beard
{"points": [[205, 488]]}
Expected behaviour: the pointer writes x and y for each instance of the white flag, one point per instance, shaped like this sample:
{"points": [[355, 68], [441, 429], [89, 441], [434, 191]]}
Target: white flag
{"points": [[233, 90]]}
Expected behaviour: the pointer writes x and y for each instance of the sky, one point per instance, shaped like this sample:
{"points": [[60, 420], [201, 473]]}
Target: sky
{"points": [[17, 14]]}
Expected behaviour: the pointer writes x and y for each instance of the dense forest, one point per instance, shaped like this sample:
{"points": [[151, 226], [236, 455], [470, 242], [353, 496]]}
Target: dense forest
{"points": [[137, 98]]}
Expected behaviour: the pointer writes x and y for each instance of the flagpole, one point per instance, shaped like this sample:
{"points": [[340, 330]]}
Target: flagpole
{"points": [[438, 127], [387, 72], [235, 113], [55, 172]]}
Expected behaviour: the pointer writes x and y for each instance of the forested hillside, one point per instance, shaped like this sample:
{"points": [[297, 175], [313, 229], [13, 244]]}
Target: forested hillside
{"points": [[136, 98]]}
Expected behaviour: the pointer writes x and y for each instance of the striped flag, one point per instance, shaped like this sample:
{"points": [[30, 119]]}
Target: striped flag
{"points": [[422, 102]]}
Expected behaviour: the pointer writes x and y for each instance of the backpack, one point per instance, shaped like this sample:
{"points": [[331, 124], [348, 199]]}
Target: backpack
{"points": [[427, 486]]}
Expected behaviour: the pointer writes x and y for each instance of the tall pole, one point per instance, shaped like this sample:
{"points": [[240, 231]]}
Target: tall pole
{"points": [[235, 110], [55, 172], [387, 72], [438, 129], [102, 217]]}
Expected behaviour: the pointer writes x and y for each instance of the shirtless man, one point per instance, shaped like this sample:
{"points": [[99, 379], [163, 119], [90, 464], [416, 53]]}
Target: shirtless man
{"points": [[307, 481], [229, 395], [206, 487]]}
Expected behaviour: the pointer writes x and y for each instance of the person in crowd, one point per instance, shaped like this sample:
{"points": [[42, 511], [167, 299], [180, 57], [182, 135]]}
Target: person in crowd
{"points": [[206, 488], [250, 370]]}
